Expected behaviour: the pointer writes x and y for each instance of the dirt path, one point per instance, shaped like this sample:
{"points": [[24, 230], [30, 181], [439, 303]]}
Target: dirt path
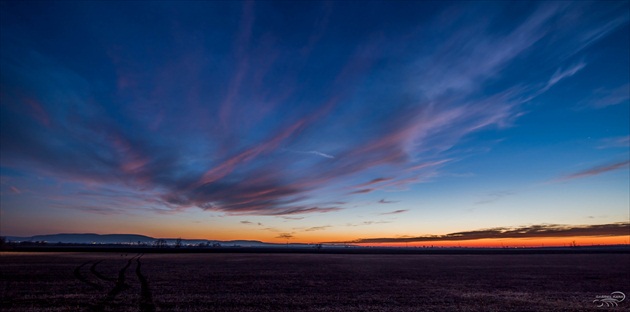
{"points": [[99, 275], [120, 284], [146, 299], [79, 276], [118, 287]]}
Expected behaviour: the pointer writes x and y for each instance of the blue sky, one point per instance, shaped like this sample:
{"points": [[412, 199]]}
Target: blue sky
{"points": [[324, 121]]}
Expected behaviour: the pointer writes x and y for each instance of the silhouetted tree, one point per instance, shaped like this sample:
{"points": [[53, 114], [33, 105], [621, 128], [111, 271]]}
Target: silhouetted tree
{"points": [[178, 242], [160, 243]]}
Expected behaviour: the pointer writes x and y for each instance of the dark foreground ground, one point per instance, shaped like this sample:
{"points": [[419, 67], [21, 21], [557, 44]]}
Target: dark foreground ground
{"points": [[310, 282]]}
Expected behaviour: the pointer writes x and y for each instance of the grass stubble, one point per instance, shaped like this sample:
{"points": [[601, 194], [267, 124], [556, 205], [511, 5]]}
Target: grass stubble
{"points": [[308, 282]]}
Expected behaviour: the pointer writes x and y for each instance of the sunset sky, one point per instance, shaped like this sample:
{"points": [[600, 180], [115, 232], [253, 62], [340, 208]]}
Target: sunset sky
{"points": [[420, 123]]}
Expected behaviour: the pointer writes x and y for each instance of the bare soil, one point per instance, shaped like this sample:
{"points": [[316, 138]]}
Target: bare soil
{"points": [[309, 282]]}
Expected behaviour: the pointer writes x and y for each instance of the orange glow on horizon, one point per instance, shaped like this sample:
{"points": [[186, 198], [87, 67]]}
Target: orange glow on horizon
{"points": [[517, 242], [268, 233]]}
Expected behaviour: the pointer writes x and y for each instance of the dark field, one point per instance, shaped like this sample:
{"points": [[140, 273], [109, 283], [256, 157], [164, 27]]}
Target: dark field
{"points": [[309, 282]]}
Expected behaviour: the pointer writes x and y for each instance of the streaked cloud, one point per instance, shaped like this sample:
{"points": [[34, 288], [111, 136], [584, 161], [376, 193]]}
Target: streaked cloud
{"points": [[399, 211], [493, 197], [562, 74], [242, 121], [316, 228], [594, 171], [98, 209], [623, 141], [292, 218], [608, 97], [370, 222], [534, 231], [313, 153], [362, 191], [372, 182], [286, 236], [383, 201], [591, 36]]}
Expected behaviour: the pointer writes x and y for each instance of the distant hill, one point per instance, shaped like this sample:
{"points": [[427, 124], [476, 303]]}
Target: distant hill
{"points": [[87, 238], [91, 238]]}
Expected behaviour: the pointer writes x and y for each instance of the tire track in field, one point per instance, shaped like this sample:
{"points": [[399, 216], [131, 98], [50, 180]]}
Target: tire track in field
{"points": [[99, 275], [118, 288], [146, 298], [79, 276]]}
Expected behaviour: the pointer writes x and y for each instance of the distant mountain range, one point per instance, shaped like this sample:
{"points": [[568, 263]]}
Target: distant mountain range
{"points": [[135, 239]]}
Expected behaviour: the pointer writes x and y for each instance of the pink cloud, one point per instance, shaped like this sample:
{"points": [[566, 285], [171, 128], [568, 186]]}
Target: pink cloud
{"points": [[373, 181], [362, 191], [241, 44], [383, 201], [395, 212], [594, 171], [229, 165], [38, 111], [132, 160]]}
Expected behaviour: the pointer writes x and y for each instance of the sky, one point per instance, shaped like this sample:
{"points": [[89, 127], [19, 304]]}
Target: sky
{"points": [[375, 123]]}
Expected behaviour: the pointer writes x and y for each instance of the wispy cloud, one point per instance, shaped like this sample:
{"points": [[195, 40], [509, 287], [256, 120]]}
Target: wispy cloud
{"points": [[591, 36], [321, 154], [318, 153], [395, 212], [379, 113], [37, 111], [292, 218], [241, 45], [608, 97], [372, 182], [472, 55], [286, 236], [383, 201], [99, 209], [565, 73], [362, 191], [368, 223], [534, 231], [594, 171], [316, 228], [623, 141], [493, 197]]}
